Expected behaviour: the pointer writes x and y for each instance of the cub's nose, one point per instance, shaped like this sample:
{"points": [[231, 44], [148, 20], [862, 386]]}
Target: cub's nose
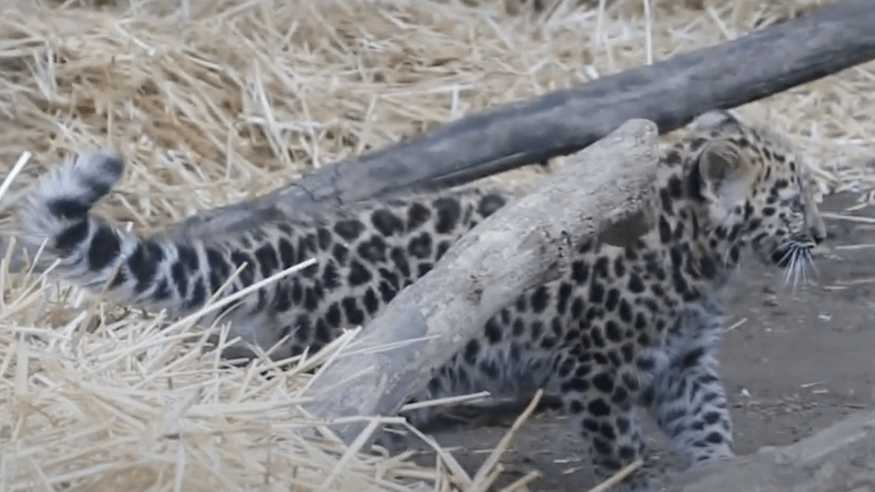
{"points": [[818, 234]]}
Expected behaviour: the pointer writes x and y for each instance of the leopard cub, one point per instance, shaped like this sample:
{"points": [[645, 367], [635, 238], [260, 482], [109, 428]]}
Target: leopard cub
{"points": [[624, 328]]}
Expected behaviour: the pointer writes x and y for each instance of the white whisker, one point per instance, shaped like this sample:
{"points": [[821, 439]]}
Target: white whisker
{"points": [[787, 255], [790, 266], [811, 265], [798, 269], [797, 263]]}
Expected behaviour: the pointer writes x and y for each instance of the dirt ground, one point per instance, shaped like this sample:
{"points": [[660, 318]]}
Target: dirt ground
{"points": [[792, 362]]}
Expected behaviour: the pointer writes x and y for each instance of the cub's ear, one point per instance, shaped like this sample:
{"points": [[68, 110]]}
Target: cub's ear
{"points": [[713, 119], [720, 165]]}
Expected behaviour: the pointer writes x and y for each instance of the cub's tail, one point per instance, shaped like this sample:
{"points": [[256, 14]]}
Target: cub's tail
{"points": [[56, 229], [56, 214]]}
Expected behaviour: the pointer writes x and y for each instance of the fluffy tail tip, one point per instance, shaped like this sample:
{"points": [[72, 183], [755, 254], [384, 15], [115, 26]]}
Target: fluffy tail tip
{"points": [[74, 188], [99, 169]]}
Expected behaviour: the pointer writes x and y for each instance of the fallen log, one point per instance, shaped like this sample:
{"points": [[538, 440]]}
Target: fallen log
{"points": [[604, 191], [670, 93], [840, 458]]}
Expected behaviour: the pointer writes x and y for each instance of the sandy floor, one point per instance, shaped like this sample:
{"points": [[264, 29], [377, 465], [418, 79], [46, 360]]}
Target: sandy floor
{"points": [[800, 362]]}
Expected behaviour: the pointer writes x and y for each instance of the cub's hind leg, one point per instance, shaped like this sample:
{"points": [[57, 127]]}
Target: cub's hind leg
{"points": [[690, 406], [600, 399]]}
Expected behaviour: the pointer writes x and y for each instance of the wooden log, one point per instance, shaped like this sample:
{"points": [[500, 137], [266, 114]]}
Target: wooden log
{"points": [[840, 458], [671, 93], [607, 187]]}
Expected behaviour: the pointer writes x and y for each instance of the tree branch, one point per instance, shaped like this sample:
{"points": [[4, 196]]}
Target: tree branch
{"points": [[840, 458], [671, 93]]}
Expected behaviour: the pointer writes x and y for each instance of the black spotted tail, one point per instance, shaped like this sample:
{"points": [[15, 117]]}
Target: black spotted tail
{"points": [[56, 215], [84, 250]]}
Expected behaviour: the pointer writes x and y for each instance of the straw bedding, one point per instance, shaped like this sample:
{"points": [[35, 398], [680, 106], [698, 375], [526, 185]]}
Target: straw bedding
{"points": [[215, 101]]}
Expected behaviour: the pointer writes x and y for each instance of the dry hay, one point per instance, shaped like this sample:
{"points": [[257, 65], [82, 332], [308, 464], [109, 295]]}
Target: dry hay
{"points": [[212, 102]]}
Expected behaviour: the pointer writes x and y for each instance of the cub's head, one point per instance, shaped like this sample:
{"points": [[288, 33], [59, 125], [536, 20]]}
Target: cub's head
{"points": [[758, 193]]}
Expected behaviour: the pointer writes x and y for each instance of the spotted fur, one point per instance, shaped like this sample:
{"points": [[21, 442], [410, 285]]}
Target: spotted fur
{"points": [[624, 327]]}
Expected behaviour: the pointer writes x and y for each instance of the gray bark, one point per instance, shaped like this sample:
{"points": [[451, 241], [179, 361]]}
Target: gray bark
{"points": [[605, 188], [671, 93], [840, 458]]}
